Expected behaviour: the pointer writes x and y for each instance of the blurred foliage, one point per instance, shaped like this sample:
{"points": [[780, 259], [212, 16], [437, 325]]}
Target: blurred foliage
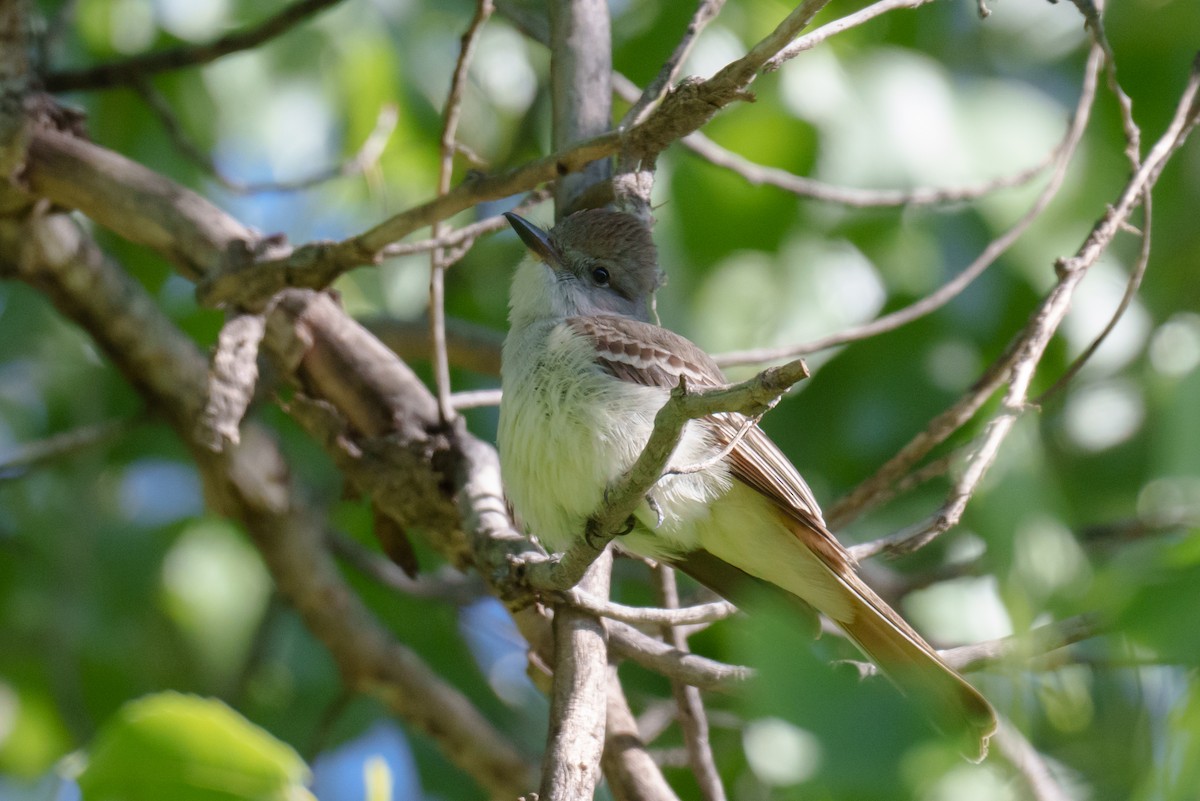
{"points": [[190, 749], [114, 584]]}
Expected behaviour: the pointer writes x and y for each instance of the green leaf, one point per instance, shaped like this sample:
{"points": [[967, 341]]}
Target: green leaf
{"points": [[187, 748]]}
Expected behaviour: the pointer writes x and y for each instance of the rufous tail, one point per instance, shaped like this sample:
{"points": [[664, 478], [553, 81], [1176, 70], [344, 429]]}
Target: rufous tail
{"points": [[957, 708]]}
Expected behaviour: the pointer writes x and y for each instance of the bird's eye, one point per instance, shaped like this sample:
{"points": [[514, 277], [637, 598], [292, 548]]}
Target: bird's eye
{"points": [[600, 276]]}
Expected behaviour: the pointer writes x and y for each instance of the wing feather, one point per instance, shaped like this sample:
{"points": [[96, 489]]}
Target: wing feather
{"points": [[650, 355]]}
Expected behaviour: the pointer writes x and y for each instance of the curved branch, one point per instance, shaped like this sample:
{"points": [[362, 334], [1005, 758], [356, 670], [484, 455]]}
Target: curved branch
{"points": [[132, 69], [249, 483]]}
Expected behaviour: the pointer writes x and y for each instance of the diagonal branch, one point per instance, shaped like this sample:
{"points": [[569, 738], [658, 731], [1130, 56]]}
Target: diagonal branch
{"points": [[364, 159], [868, 493], [816, 37], [1031, 343], [249, 483], [686, 108], [1062, 158], [751, 397], [705, 13], [856, 197]]}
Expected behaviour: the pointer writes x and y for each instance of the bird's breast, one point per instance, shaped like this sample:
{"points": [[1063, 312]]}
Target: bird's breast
{"points": [[568, 429]]}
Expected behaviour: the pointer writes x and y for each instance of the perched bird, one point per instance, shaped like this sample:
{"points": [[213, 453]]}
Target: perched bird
{"points": [[584, 372]]}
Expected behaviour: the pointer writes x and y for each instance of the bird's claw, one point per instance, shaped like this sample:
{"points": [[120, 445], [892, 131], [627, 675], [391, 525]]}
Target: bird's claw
{"points": [[654, 507]]}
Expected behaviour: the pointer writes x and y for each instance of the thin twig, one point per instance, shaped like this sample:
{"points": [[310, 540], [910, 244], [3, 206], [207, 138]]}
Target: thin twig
{"points": [[692, 718], [758, 174], [1063, 155], [645, 616], [475, 399], [467, 234], [18, 460], [719, 456], [628, 643], [438, 261], [1131, 288], [630, 771], [1091, 11], [1032, 766], [139, 67], [810, 40], [705, 13], [365, 158], [1040, 641], [1033, 339], [927, 472], [949, 421], [446, 584]]}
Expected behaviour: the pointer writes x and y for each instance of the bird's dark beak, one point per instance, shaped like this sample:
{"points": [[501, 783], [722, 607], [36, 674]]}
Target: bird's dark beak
{"points": [[534, 238]]}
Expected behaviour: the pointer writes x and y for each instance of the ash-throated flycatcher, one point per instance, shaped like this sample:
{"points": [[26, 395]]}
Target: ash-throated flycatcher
{"points": [[584, 372]]}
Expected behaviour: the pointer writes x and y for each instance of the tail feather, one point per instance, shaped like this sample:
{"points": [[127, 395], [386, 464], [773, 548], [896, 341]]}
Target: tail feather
{"points": [[954, 706]]}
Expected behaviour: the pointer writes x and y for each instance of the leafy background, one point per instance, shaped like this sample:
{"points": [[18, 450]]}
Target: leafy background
{"points": [[114, 584]]}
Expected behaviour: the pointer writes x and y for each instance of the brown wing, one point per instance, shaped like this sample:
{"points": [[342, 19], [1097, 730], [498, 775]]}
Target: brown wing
{"points": [[648, 354]]}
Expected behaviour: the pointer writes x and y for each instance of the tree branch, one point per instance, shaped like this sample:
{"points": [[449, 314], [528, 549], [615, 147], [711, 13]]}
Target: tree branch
{"points": [[628, 643], [751, 397], [631, 772], [1062, 157], [1026, 351], [132, 69], [642, 616], [575, 740], [248, 483], [692, 718]]}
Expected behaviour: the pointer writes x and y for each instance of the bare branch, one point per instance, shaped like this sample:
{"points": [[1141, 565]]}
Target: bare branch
{"points": [[692, 718], [643, 616], [467, 234], [859, 198], [438, 261], [941, 427], [706, 12], [571, 765], [1033, 339], [581, 89], [627, 642], [1091, 11], [953, 288], [139, 67], [1131, 288], [249, 483], [631, 772], [811, 40], [475, 399], [18, 460], [1039, 641], [1021, 754], [446, 584], [139, 204]]}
